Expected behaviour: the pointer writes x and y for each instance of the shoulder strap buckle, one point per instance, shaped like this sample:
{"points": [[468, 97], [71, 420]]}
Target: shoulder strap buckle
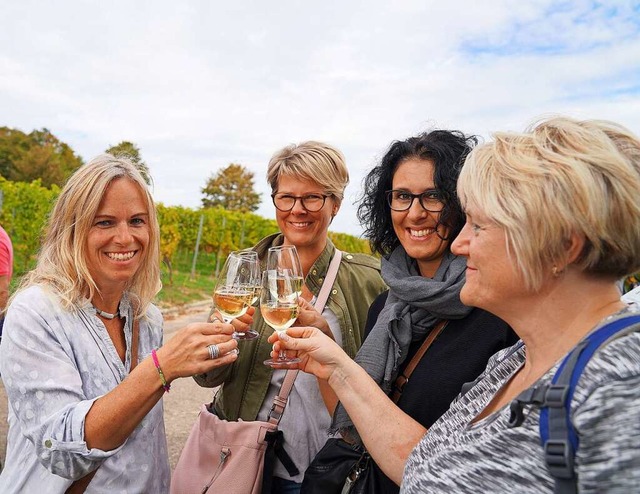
{"points": [[275, 414], [556, 395], [558, 454]]}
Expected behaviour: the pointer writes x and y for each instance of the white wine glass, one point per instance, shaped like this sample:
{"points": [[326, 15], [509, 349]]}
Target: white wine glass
{"points": [[284, 259], [255, 278], [235, 288], [279, 308]]}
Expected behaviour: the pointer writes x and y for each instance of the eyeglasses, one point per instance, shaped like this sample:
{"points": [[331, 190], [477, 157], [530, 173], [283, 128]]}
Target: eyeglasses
{"points": [[401, 200], [311, 202]]}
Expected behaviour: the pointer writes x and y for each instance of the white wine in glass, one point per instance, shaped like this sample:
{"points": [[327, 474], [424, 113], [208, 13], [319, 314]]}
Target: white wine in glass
{"points": [[234, 289], [279, 309], [232, 301], [279, 316]]}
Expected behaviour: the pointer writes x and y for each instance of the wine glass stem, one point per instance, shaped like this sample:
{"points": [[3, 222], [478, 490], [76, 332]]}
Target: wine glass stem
{"points": [[282, 354]]}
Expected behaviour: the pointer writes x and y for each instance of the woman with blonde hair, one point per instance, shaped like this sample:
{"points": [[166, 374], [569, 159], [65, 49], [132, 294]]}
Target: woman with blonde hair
{"points": [[82, 357], [308, 182], [552, 222]]}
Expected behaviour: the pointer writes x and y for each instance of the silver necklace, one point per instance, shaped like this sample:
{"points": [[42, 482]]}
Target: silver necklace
{"points": [[106, 315]]}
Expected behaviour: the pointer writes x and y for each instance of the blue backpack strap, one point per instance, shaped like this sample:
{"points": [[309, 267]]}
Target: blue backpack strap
{"points": [[557, 434]]}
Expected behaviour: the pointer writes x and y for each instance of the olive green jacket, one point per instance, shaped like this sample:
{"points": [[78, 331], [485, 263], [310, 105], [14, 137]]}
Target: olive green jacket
{"points": [[245, 382]]}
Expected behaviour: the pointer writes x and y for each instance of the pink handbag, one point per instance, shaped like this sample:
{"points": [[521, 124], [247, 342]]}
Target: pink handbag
{"points": [[222, 456], [229, 457]]}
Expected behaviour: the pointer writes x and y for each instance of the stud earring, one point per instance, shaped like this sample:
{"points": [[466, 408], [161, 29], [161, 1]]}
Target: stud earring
{"points": [[556, 271]]}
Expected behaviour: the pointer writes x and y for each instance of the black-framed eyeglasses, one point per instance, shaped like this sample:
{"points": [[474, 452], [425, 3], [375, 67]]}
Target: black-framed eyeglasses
{"points": [[400, 200], [311, 202]]}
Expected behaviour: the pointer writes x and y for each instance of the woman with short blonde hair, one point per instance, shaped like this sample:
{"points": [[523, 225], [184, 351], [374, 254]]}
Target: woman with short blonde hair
{"points": [[552, 221], [576, 173], [308, 182], [311, 161]]}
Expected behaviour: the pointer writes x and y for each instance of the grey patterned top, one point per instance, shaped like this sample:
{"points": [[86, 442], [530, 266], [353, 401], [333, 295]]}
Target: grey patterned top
{"points": [[55, 364], [487, 456]]}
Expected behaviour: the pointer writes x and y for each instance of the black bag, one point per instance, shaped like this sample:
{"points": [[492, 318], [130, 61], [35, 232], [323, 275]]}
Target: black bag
{"points": [[340, 468]]}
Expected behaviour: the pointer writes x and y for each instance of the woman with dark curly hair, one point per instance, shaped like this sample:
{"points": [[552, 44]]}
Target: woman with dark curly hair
{"points": [[437, 157], [411, 214]]}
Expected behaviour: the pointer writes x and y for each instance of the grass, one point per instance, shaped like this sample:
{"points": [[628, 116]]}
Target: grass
{"points": [[182, 288]]}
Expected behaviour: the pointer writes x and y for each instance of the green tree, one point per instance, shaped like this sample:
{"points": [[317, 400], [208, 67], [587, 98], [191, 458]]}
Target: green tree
{"points": [[170, 237], [232, 188], [36, 156], [24, 212], [131, 151]]}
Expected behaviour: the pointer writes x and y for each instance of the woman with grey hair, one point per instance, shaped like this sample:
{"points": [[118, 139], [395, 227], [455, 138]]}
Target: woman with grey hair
{"points": [[553, 221], [82, 357], [308, 182]]}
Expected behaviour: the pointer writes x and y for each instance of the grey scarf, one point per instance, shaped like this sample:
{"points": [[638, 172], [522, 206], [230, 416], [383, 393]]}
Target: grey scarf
{"points": [[414, 305]]}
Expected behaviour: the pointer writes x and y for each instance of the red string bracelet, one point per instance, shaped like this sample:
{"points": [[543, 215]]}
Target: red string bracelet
{"points": [[165, 385]]}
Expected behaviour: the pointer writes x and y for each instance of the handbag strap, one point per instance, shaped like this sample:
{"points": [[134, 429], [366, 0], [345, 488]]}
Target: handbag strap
{"points": [[329, 279], [403, 378], [280, 401]]}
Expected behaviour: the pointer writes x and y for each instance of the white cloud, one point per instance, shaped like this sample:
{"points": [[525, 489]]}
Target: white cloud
{"points": [[197, 85]]}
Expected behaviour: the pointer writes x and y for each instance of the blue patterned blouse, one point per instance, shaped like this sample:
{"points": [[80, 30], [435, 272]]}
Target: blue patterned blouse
{"points": [[54, 365]]}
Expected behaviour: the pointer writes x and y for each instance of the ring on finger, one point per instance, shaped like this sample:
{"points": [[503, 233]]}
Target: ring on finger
{"points": [[214, 351]]}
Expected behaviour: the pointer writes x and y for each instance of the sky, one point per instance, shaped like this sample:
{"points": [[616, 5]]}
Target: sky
{"points": [[197, 85]]}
